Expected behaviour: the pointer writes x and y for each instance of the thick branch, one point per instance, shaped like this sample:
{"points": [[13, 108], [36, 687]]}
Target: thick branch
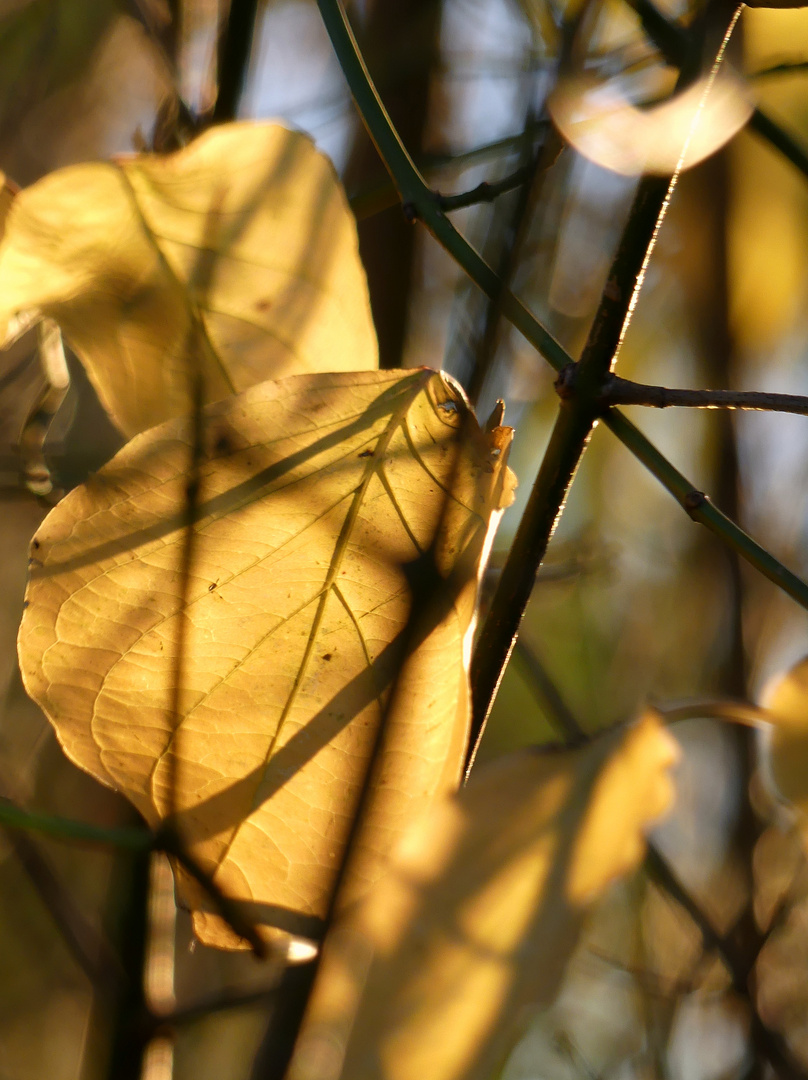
{"points": [[576, 420], [235, 46]]}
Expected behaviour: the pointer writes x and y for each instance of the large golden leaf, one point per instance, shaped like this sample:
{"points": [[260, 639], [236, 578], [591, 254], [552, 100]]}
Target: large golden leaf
{"points": [[316, 494], [234, 258], [431, 975]]}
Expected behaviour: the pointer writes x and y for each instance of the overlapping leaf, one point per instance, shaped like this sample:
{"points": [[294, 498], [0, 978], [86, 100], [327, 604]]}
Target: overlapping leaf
{"points": [[234, 259], [475, 921], [317, 493]]}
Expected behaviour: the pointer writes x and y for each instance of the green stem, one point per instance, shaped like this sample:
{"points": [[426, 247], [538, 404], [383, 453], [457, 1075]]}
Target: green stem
{"points": [[12, 817], [698, 506]]}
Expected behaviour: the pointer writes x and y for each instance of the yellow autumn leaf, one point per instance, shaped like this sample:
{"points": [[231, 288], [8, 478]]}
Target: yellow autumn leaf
{"points": [[316, 492], [235, 258], [473, 925], [786, 738]]}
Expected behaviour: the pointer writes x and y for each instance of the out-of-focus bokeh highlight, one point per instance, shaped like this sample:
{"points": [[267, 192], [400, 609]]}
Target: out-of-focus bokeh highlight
{"points": [[634, 602]]}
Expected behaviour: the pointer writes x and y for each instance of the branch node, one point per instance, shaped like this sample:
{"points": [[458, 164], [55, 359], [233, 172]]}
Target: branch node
{"points": [[565, 384], [410, 212], [694, 501]]}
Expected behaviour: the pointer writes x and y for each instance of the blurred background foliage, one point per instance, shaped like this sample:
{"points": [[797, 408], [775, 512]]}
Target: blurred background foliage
{"points": [[634, 601]]}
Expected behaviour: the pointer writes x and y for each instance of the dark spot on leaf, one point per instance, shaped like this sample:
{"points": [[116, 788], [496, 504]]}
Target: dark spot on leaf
{"points": [[212, 586], [222, 444], [263, 305], [25, 604], [327, 656], [366, 453], [36, 545]]}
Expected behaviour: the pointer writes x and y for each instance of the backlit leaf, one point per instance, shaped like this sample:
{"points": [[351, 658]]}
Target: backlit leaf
{"points": [[432, 974], [316, 492], [235, 257]]}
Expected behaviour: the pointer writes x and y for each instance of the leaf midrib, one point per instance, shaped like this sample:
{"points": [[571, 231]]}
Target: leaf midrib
{"points": [[192, 310]]}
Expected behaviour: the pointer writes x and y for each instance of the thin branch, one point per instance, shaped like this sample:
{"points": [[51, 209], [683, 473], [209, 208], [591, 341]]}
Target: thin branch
{"points": [[788, 67], [618, 391], [538, 161], [87, 945], [138, 841], [558, 712], [131, 1027], [219, 1002], [736, 712], [486, 191], [794, 151], [767, 1042], [698, 507], [498, 635], [415, 194], [383, 195]]}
